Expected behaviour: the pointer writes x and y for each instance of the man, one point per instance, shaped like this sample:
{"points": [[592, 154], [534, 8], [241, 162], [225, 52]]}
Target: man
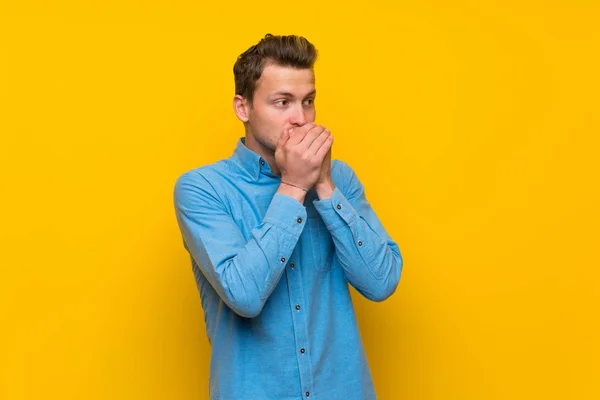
{"points": [[276, 233]]}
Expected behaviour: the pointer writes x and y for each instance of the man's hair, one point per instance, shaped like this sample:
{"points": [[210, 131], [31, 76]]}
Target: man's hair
{"points": [[285, 51]]}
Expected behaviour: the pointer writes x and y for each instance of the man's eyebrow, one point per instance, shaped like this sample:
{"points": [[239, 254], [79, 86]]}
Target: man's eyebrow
{"points": [[287, 94]]}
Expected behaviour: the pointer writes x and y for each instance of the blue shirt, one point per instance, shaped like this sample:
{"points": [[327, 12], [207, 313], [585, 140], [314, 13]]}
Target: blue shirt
{"points": [[273, 278]]}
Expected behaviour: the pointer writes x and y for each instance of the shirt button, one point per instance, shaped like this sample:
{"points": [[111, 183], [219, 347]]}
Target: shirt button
{"points": [[299, 220], [297, 306], [339, 206], [307, 394], [262, 162], [282, 259], [292, 265], [360, 243], [302, 350]]}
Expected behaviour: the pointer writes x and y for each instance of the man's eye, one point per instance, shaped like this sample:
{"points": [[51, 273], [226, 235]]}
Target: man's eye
{"points": [[310, 101], [281, 102]]}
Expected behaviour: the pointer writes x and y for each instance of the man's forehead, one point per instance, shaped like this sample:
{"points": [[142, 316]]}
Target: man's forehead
{"points": [[276, 79], [296, 92]]}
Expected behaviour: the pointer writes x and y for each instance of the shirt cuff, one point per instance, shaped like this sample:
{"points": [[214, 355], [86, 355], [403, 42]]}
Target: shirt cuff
{"points": [[336, 210], [287, 213]]}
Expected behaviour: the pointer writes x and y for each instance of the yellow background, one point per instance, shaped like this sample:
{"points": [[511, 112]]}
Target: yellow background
{"points": [[473, 125]]}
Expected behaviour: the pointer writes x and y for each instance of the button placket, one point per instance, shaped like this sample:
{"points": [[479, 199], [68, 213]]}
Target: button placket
{"points": [[299, 322]]}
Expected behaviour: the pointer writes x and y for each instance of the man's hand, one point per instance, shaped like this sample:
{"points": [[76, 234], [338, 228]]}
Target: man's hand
{"points": [[299, 157], [324, 185]]}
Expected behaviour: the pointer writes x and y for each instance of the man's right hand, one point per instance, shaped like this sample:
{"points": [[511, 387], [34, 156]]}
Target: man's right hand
{"points": [[300, 153]]}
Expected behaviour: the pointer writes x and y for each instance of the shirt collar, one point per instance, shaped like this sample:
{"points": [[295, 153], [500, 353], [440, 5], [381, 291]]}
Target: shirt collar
{"points": [[250, 161]]}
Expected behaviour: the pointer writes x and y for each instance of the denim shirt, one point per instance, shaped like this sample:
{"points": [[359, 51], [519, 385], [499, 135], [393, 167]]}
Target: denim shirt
{"points": [[273, 276]]}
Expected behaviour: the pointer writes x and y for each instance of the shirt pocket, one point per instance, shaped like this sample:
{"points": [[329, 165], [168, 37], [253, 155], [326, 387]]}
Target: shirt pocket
{"points": [[322, 246]]}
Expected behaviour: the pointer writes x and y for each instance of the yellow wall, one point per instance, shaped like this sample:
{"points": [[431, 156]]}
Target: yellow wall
{"points": [[474, 126]]}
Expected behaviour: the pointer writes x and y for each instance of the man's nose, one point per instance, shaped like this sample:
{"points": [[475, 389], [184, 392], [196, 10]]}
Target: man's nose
{"points": [[299, 117]]}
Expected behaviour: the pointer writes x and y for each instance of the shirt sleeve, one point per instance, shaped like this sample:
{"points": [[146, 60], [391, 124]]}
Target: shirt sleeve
{"points": [[242, 272], [371, 260]]}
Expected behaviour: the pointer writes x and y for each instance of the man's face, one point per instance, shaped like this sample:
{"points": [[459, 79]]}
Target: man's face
{"points": [[284, 98]]}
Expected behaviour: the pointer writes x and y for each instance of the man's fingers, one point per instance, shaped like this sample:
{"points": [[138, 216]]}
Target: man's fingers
{"points": [[283, 138], [322, 152], [296, 135], [299, 133], [311, 136], [318, 142]]}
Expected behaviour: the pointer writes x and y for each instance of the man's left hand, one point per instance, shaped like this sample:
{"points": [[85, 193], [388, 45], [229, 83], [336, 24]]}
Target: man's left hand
{"points": [[324, 185]]}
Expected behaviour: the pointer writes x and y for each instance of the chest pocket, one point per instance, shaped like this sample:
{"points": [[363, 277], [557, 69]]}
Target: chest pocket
{"points": [[322, 246]]}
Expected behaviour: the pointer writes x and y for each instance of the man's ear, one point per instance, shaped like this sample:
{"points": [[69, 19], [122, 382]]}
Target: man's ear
{"points": [[241, 108]]}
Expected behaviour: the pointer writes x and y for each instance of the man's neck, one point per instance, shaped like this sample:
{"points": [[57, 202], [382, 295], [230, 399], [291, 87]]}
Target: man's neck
{"points": [[264, 152]]}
